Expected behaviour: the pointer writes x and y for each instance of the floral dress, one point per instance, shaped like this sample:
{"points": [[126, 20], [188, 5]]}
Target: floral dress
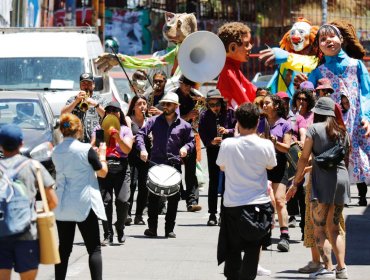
{"points": [[345, 81]]}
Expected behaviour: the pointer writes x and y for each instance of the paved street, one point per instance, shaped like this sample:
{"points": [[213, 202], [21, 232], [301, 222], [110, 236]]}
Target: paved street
{"points": [[192, 255]]}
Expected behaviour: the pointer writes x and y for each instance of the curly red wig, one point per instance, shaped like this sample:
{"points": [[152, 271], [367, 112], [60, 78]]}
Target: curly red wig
{"points": [[285, 42]]}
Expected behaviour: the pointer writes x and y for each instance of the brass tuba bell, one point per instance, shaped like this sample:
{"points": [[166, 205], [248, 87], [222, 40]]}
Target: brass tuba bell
{"points": [[201, 56]]}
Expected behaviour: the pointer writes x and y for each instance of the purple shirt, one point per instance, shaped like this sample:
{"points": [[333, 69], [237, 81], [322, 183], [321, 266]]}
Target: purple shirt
{"points": [[208, 125], [167, 139], [123, 132], [279, 129], [297, 122]]}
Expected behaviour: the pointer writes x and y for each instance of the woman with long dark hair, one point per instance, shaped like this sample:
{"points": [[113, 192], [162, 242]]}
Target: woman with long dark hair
{"points": [[274, 127], [138, 111], [330, 187], [118, 177], [303, 102]]}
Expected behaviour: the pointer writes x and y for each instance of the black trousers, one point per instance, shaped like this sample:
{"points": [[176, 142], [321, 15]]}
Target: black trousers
{"points": [[153, 202], [120, 184], [236, 267], [214, 178], [362, 190], [90, 233], [153, 209], [139, 176], [297, 206], [191, 194]]}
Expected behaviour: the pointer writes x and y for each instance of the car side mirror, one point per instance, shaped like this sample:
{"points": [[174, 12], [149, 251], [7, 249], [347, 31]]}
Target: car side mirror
{"points": [[99, 84], [56, 123]]}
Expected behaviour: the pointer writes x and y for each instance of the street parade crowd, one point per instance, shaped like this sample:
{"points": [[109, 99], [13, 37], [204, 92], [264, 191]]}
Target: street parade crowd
{"points": [[292, 148]]}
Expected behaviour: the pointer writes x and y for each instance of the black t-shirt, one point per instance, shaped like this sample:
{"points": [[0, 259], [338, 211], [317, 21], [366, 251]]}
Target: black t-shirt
{"points": [[186, 102], [93, 159]]}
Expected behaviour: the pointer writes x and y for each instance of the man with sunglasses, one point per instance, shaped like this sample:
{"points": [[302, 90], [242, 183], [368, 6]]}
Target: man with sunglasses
{"points": [[153, 97], [90, 117], [215, 124], [173, 140], [188, 112]]}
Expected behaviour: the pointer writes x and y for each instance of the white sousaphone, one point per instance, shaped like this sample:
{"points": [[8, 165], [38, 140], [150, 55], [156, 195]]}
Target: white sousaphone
{"points": [[201, 56]]}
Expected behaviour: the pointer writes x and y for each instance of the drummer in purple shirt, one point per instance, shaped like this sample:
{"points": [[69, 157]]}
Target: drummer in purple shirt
{"points": [[172, 139]]}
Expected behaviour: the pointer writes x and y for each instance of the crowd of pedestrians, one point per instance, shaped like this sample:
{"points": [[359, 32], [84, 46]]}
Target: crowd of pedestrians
{"points": [[250, 136]]}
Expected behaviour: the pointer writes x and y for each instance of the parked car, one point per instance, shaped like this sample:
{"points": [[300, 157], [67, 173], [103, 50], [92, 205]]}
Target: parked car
{"points": [[260, 80], [51, 60], [32, 113]]}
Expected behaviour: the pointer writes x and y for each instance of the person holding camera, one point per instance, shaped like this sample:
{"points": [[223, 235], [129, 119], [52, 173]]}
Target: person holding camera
{"points": [[86, 105]]}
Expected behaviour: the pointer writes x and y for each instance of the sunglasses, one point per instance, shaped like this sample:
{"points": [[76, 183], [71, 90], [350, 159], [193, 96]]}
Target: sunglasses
{"points": [[302, 99], [216, 104], [158, 81], [112, 110]]}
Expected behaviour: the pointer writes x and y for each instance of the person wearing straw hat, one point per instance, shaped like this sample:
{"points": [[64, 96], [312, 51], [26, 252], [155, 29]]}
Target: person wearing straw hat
{"points": [[173, 140], [22, 252]]}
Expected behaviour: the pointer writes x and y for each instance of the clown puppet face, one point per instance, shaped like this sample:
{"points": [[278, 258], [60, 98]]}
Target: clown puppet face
{"points": [[299, 35]]}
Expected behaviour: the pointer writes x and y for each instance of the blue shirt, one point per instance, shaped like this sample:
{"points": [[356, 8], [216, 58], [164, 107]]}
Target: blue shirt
{"points": [[338, 64], [77, 187], [167, 139]]}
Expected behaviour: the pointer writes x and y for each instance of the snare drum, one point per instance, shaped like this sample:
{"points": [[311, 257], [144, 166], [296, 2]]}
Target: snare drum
{"points": [[163, 180], [293, 156]]}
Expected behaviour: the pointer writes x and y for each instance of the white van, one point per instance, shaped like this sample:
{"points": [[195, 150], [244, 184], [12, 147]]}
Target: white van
{"points": [[51, 60]]}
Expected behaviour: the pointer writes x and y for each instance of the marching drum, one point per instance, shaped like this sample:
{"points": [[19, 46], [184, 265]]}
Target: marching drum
{"points": [[293, 156], [163, 180]]}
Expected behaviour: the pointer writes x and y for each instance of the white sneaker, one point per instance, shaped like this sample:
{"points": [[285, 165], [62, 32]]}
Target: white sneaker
{"points": [[263, 271], [341, 274], [323, 274], [310, 267]]}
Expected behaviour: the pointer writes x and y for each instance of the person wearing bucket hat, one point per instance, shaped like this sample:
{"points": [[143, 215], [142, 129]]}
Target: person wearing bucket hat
{"points": [[173, 140], [330, 187], [324, 87], [215, 124], [324, 106], [119, 144], [87, 105], [21, 251]]}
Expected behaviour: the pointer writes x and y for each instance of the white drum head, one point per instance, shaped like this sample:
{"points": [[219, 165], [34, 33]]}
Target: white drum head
{"points": [[164, 175]]}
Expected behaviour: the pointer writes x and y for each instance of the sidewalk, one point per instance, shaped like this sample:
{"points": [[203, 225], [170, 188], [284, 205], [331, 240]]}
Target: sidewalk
{"points": [[192, 255]]}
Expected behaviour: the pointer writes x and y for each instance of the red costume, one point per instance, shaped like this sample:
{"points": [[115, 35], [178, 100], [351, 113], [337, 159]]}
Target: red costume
{"points": [[234, 86]]}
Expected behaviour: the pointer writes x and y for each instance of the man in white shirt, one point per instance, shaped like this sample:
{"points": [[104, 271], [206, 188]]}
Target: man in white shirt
{"points": [[244, 159]]}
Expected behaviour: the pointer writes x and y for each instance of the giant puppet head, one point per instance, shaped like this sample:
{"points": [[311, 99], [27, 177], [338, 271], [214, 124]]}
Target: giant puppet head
{"points": [[299, 37], [178, 26]]}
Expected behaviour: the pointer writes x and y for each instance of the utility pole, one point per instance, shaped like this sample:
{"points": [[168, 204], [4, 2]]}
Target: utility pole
{"points": [[102, 20], [324, 7]]}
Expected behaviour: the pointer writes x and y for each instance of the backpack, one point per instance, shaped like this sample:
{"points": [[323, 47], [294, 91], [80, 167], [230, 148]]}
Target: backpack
{"points": [[15, 205]]}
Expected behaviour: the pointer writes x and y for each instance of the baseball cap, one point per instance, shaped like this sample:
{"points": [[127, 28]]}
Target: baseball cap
{"points": [[324, 106], [170, 97], [214, 93], [307, 85], [283, 94], [186, 81], [11, 136], [86, 77], [114, 104]]}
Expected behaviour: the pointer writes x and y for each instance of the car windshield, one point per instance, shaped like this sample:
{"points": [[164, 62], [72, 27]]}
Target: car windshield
{"points": [[27, 114], [35, 73]]}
